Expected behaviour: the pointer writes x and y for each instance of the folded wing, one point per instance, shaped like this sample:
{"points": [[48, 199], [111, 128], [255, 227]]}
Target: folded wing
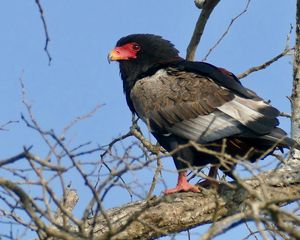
{"points": [[198, 108]]}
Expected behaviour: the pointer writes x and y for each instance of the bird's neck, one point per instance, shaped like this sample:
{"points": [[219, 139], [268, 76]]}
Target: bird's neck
{"points": [[131, 73]]}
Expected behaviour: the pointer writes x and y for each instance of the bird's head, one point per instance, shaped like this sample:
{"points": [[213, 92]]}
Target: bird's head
{"points": [[137, 53]]}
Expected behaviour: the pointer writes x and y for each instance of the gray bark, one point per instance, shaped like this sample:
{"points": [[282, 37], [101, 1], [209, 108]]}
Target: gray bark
{"points": [[171, 214], [295, 98]]}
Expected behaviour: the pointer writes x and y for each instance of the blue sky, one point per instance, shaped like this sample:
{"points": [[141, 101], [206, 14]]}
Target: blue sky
{"points": [[79, 78]]}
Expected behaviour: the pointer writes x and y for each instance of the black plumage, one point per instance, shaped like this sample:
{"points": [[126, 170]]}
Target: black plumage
{"points": [[184, 101]]}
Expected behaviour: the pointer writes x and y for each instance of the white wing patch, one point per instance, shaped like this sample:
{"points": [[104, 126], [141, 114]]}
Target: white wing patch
{"points": [[241, 112], [238, 116], [207, 128], [250, 113]]}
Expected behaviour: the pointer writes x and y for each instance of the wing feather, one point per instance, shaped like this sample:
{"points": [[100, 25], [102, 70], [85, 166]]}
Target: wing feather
{"points": [[195, 107], [252, 114], [207, 128]]}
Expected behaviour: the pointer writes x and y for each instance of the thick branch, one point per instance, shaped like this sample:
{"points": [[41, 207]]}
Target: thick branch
{"points": [[144, 219], [208, 7], [295, 98], [32, 210], [69, 202]]}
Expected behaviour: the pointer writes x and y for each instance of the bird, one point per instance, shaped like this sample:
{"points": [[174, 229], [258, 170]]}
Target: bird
{"points": [[184, 102]]}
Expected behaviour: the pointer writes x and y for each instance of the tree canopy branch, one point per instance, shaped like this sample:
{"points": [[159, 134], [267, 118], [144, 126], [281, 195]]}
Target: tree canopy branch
{"points": [[41, 10], [207, 9], [187, 210]]}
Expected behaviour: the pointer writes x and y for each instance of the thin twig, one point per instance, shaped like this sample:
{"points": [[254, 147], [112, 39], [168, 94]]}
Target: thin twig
{"points": [[31, 208], [82, 117], [2, 127], [226, 31], [146, 143], [155, 177], [284, 114], [224, 225], [15, 158], [41, 10], [115, 141], [266, 64]]}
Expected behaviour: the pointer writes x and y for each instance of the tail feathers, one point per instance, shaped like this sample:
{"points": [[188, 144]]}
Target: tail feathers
{"points": [[279, 137]]}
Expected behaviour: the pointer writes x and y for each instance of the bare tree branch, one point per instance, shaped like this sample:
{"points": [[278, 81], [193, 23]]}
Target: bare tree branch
{"points": [[155, 178], [207, 9], [36, 197], [31, 209], [187, 210], [41, 10], [224, 225], [295, 98], [226, 31], [14, 158], [68, 202], [266, 64], [3, 126]]}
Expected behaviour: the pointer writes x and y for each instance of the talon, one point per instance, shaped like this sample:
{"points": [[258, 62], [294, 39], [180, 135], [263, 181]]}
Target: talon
{"points": [[183, 185], [185, 188], [205, 184], [211, 182], [208, 184]]}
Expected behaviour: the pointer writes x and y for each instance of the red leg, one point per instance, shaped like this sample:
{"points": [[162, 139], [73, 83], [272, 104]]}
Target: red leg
{"points": [[212, 175], [183, 185]]}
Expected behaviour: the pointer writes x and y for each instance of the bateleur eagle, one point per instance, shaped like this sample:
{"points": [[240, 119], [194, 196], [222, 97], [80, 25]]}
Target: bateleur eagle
{"points": [[183, 101]]}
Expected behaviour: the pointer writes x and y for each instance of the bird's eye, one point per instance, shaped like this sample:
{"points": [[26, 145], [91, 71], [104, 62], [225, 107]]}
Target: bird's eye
{"points": [[136, 47]]}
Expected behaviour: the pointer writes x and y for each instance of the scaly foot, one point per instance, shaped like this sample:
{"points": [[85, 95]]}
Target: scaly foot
{"points": [[183, 188], [183, 185], [211, 181]]}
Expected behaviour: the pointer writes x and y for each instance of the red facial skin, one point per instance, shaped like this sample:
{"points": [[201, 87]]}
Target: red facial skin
{"points": [[125, 52], [128, 52]]}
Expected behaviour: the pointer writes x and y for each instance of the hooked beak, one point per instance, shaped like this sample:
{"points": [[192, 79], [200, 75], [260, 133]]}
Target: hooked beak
{"points": [[120, 53], [108, 58], [113, 55]]}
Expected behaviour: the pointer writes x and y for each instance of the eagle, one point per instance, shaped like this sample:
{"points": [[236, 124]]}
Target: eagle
{"points": [[185, 102]]}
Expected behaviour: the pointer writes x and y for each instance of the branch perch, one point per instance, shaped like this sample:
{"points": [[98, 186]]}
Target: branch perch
{"points": [[188, 210], [208, 7]]}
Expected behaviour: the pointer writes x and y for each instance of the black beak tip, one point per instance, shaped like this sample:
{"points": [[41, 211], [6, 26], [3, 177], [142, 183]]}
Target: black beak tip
{"points": [[108, 58]]}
